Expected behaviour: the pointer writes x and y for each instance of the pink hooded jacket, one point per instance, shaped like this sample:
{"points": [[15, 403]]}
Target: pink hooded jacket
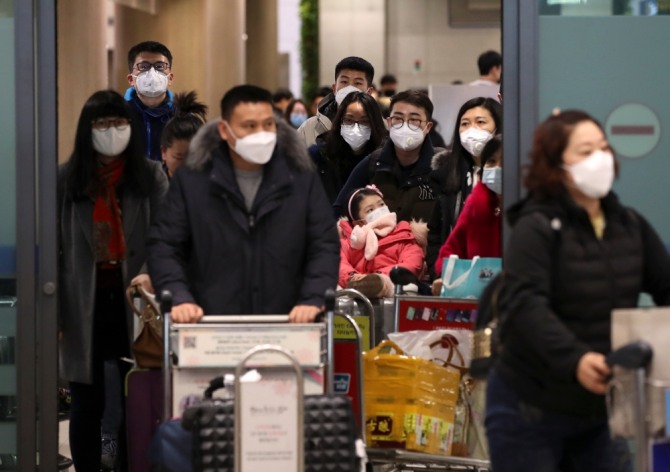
{"points": [[400, 247]]}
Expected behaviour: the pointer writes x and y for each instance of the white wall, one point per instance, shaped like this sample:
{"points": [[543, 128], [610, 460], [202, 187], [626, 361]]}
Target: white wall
{"points": [[419, 29], [351, 28], [288, 41]]}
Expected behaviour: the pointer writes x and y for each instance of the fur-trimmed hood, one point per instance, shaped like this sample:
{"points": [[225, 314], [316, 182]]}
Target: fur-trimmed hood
{"points": [[289, 143], [439, 158]]}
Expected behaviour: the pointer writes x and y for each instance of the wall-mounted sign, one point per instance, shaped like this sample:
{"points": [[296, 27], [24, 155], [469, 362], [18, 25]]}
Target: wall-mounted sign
{"points": [[633, 130]]}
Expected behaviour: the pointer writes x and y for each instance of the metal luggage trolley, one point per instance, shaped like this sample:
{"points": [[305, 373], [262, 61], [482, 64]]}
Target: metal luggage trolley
{"points": [[414, 312], [197, 352], [295, 353]]}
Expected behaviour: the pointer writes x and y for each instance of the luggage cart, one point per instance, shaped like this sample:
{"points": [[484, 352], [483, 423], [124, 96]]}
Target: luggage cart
{"points": [[326, 419], [196, 352], [412, 312]]}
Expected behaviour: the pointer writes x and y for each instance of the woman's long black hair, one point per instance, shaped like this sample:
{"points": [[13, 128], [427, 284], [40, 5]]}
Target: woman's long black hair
{"points": [[81, 177], [458, 153], [336, 146]]}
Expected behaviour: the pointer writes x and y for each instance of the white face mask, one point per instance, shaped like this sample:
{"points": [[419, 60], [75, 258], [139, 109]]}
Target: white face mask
{"points": [[341, 94], [255, 148], [112, 141], [473, 140], [594, 175], [376, 214], [492, 178], [151, 83], [405, 138], [355, 135]]}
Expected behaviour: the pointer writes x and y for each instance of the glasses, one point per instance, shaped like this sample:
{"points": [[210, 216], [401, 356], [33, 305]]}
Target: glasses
{"points": [[103, 124], [351, 122], [413, 123], [158, 66]]}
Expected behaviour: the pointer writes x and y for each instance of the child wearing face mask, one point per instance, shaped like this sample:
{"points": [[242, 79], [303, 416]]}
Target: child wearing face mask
{"points": [[373, 242], [479, 227]]}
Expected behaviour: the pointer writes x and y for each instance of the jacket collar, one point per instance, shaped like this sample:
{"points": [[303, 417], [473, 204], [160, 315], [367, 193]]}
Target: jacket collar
{"points": [[388, 157], [289, 143]]}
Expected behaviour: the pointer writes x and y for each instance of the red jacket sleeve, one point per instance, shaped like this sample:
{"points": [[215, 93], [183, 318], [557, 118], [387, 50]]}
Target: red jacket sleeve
{"points": [[346, 269], [456, 243]]}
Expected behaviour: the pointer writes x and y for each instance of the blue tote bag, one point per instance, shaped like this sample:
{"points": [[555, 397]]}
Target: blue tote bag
{"points": [[466, 278]]}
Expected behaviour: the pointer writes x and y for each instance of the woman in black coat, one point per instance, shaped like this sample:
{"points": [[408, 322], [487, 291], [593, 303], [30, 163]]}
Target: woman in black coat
{"points": [[574, 255]]}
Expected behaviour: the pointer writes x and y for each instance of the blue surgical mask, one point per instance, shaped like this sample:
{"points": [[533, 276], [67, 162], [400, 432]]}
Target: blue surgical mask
{"points": [[297, 119], [492, 178]]}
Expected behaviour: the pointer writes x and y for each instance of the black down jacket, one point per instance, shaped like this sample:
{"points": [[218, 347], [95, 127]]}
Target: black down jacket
{"points": [[207, 249], [566, 283]]}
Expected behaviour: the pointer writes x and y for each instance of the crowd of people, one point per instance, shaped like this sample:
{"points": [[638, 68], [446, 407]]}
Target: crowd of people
{"points": [[277, 199]]}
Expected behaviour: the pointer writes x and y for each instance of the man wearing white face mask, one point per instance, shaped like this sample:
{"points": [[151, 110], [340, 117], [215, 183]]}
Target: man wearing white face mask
{"points": [[246, 227], [149, 76], [401, 168], [351, 74]]}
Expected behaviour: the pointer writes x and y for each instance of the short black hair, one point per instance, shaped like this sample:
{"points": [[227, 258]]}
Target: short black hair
{"points": [[416, 98], [356, 63], [243, 93], [320, 92], [148, 46], [388, 79], [488, 60], [282, 94]]}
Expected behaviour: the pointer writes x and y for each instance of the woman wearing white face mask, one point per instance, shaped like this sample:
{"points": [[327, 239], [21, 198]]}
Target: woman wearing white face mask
{"points": [[478, 229], [373, 242], [108, 195], [357, 130], [574, 255], [456, 174]]}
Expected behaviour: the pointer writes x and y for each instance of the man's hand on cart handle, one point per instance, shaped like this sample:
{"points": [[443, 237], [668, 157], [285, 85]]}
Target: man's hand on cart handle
{"points": [[186, 313], [303, 313], [593, 372]]}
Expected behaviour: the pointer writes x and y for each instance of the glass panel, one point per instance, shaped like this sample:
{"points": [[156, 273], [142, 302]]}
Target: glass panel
{"points": [[604, 7], [602, 57], [7, 240]]}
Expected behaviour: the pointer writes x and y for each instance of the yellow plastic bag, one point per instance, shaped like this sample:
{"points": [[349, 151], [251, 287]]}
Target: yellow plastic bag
{"points": [[409, 401]]}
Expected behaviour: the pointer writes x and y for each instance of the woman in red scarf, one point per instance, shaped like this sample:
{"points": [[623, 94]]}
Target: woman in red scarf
{"points": [[108, 195]]}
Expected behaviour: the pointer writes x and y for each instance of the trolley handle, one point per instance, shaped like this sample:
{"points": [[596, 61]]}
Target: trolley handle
{"points": [[637, 355]]}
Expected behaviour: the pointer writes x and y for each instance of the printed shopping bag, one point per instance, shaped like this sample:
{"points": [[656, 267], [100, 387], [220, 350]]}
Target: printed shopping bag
{"points": [[465, 278]]}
